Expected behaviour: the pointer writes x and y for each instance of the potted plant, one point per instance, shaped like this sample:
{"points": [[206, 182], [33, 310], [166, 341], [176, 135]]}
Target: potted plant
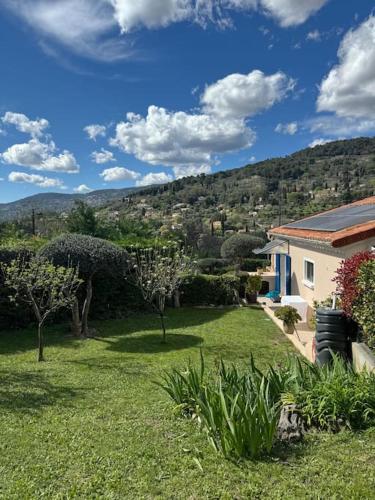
{"points": [[253, 287], [290, 317]]}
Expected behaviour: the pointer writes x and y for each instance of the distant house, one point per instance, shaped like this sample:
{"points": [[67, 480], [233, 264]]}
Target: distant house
{"points": [[307, 253]]}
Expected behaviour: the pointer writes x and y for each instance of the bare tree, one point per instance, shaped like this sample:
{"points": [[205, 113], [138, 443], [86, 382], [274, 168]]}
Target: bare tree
{"points": [[44, 286], [158, 274]]}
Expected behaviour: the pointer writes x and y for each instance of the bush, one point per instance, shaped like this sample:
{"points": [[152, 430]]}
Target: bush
{"points": [[240, 246], [209, 245], [210, 265], [205, 289], [253, 284], [346, 279], [363, 308], [251, 265], [12, 314]]}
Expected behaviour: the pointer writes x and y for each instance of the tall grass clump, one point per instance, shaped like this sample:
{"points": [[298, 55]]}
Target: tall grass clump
{"points": [[333, 396], [240, 410]]}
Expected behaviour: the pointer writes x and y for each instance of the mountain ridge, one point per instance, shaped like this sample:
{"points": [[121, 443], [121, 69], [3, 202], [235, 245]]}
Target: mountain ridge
{"points": [[329, 166], [59, 202]]}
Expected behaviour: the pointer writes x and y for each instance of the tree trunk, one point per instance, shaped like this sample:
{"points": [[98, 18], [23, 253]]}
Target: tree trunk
{"points": [[161, 314], [76, 325], [164, 338], [86, 308], [40, 343], [176, 297]]}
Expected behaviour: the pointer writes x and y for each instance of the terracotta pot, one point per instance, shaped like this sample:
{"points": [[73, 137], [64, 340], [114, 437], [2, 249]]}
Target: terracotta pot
{"points": [[288, 328], [252, 298]]}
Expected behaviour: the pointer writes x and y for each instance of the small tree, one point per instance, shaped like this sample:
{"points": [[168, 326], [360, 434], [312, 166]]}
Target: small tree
{"points": [[158, 274], [90, 255], [240, 246], [82, 220], [44, 286]]}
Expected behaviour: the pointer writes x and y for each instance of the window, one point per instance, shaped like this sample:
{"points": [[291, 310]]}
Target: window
{"points": [[309, 273]]}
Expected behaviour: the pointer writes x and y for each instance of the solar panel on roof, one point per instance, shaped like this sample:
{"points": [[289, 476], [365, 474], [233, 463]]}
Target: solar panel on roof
{"points": [[335, 220]]}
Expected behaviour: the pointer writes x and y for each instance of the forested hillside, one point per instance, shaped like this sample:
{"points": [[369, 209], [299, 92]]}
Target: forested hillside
{"points": [[265, 193]]}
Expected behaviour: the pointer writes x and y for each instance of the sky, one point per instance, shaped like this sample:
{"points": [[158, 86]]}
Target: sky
{"points": [[98, 94]]}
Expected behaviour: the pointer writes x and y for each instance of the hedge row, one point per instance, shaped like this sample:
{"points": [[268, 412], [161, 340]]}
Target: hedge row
{"points": [[205, 289], [115, 297]]}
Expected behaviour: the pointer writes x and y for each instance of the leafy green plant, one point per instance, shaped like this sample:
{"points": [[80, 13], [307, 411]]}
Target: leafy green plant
{"points": [[253, 284], [363, 307], [335, 396], [289, 315], [241, 425], [240, 411], [184, 387]]}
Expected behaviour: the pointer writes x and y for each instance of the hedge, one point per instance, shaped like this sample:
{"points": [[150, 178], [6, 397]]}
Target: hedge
{"points": [[251, 265], [206, 289], [13, 315]]}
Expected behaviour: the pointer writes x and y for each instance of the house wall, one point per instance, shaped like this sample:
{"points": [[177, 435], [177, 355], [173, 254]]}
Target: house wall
{"points": [[326, 261]]}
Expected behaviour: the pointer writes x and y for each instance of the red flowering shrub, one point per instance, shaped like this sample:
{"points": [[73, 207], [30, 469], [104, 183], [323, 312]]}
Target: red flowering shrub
{"points": [[346, 279]]}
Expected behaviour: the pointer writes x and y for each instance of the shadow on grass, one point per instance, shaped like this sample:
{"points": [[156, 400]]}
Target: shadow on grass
{"points": [[151, 343], [25, 340], [30, 392]]}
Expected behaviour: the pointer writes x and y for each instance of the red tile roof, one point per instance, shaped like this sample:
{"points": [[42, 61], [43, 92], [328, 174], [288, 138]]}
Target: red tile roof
{"points": [[339, 238]]}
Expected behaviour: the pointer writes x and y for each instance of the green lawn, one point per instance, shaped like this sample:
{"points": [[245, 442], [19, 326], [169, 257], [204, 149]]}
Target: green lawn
{"points": [[90, 423]]}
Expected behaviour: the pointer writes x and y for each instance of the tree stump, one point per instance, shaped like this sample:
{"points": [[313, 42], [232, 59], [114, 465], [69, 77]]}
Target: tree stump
{"points": [[290, 427]]}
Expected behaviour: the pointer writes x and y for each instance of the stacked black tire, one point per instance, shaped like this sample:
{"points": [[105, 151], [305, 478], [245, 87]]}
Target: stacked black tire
{"points": [[332, 335]]}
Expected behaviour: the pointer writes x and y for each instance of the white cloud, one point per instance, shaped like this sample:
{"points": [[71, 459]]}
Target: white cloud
{"points": [[332, 125], [22, 123], [88, 28], [239, 96], [132, 14], [154, 178], [94, 131], [320, 142], [82, 188], [287, 128], [180, 172], [115, 174], [38, 180], [349, 88], [83, 26], [102, 156], [64, 162], [292, 12], [40, 156], [315, 36], [180, 139]]}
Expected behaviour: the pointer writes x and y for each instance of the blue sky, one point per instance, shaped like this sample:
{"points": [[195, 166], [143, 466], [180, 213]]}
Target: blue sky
{"points": [[167, 88]]}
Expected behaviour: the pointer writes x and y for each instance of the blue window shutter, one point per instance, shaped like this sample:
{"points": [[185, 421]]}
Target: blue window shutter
{"points": [[277, 280], [288, 275]]}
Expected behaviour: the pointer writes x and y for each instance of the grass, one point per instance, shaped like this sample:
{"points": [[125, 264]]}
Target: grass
{"points": [[89, 423]]}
